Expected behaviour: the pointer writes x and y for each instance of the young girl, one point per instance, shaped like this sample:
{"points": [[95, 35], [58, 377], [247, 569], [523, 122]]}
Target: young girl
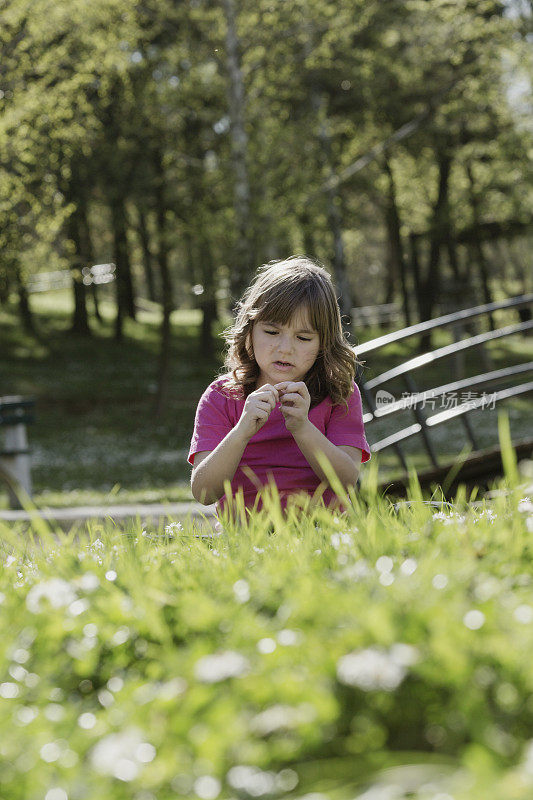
{"points": [[288, 394]]}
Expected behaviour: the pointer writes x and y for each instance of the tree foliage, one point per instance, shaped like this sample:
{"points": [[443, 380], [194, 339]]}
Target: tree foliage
{"points": [[216, 136]]}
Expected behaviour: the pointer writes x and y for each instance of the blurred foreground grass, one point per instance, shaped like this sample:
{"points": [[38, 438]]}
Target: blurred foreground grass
{"points": [[381, 654]]}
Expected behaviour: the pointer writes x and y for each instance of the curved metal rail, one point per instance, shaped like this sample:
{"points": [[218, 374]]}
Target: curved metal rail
{"points": [[422, 424]]}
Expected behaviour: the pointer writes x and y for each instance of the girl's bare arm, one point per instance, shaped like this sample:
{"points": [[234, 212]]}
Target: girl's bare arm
{"points": [[213, 468], [345, 460]]}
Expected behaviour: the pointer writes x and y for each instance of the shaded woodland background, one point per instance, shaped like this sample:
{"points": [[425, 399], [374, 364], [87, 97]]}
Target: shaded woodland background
{"points": [[188, 143]]}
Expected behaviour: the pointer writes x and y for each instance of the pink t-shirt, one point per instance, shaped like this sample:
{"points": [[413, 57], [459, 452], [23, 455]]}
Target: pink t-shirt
{"points": [[272, 451]]}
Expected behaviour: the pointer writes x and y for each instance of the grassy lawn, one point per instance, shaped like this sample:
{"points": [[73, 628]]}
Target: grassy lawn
{"points": [[384, 655], [95, 438], [95, 435]]}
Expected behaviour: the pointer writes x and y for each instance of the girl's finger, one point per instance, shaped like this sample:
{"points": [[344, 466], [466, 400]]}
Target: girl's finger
{"points": [[292, 397], [266, 405], [271, 391]]}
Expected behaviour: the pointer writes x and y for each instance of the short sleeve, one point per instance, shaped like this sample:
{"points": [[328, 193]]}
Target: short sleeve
{"points": [[211, 423], [345, 425]]}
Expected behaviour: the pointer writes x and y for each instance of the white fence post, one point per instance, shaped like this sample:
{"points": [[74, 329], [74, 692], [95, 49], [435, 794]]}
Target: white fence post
{"points": [[15, 458]]}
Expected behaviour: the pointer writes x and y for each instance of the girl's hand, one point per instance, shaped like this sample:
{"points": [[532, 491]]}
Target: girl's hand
{"points": [[295, 403], [257, 409]]}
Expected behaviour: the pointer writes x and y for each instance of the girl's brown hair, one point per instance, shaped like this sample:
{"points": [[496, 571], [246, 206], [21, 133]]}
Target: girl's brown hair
{"points": [[279, 289]]}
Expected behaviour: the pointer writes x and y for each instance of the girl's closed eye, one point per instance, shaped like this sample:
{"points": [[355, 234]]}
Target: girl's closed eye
{"points": [[301, 338]]}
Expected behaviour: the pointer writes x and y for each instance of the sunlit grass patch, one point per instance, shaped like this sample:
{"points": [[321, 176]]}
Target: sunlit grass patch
{"points": [[384, 649]]}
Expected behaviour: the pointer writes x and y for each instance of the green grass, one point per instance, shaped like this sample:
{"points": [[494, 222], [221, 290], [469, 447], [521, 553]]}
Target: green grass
{"points": [[95, 438], [384, 653]]}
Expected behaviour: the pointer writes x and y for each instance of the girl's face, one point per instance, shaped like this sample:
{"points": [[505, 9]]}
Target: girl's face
{"points": [[285, 352]]}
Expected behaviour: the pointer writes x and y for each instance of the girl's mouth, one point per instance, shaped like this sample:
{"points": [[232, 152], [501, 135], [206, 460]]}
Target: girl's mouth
{"points": [[282, 364]]}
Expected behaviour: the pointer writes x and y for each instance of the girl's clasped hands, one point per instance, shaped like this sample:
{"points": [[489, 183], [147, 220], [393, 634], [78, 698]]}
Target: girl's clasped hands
{"points": [[294, 400]]}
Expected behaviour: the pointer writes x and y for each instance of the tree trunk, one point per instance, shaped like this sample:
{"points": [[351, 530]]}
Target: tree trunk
{"points": [[524, 314], [202, 270], [333, 201], [307, 233], [147, 255], [163, 366], [346, 300], [244, 255], [5, 284], [26, 316], [477, 244], [398, 261], [415, 268], [80, 317], [432, 282], [208, 300], [338, 260], [124, 282], [88, 250]]}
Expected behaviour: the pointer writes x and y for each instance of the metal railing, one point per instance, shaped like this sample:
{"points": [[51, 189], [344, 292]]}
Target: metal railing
{"points": [[384, 404]]}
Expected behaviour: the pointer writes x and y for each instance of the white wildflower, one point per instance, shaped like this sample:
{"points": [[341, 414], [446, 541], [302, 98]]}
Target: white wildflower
{"points": [[115, 684], [207, 787], [105, 698], [50, 752], [404, 654], [525, 506], [9, 690], [21, 655], [251, 780], [121, 635], [221, 666], [266, 645], [17, 672], [384, 564], [26, 714], [474, 619], [408, 566], [56, 793], [241, 590], [78, 607], [54, 712], [449, 519], [87, 721], [88, 582], [523, 614], [288, 637], [56, 591], [281, 717], [122, 754], [375, 668], [96, 545], [173, 528], [338, 539]]}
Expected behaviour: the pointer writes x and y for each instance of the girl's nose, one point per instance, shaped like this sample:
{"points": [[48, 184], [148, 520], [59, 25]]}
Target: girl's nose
{"points": [[285, 345]]}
